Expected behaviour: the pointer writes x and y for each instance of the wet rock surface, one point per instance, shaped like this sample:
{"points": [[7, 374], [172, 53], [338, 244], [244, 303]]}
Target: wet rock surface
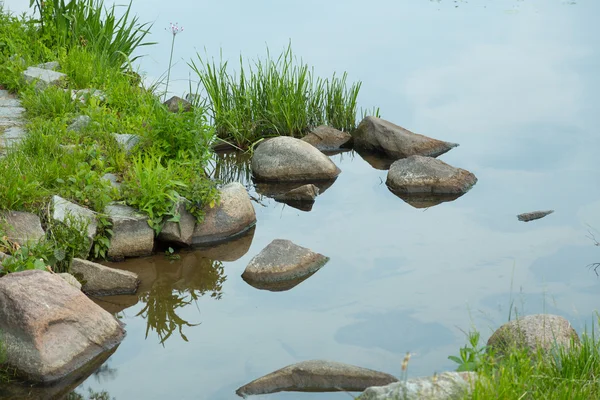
{"points": [[378, 135], [532, 216], [21, 227], [132, 236], [445, 386], [328, 139], [317, 376], [104, 281]]}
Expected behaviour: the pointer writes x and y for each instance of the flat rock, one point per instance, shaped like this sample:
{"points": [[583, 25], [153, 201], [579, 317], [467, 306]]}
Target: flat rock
{"points": [[418, 174], [328, 139], [175, 104], [381, 136], [43, 77], [534, 332], [282, 265], [307, 192], [79, 123], [232, 216], [288, 159], [181, 232], [49, 328], [104, 281], [12, 136], [445, 386], [21, 227], [132, 236], [531, 216], [126, 140], [62, 208], [316, 376]]}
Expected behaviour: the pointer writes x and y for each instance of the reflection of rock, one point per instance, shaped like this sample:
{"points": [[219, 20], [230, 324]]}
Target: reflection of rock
{"points": [[534, 332], [104, 281], [418, 174], [303, 193], [287, 159], [376, 134], [282, 264], [276, 189], [328, 139], [377, 161], [317, 376], [21, 227], [530, 216], [426, 200], [447, 385], [49, 328], [278, 286], [116, 304], [229, 251], [231, 217]]}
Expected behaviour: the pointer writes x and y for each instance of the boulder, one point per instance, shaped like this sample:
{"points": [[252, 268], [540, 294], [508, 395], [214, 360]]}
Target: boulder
{"points": [[71, 280], [282, 265], [445, 386], [49, 328], [21, 227], [328, 139], [303, 193], [79, 123], [531, 216], [43, 77], [541, 332], [418, 174], [127, 141], [181, 232], [104, 281], [132, 236], [380, 136], [288, 159], [316, 376], [174, 104], [63, 208], [232, 216]]}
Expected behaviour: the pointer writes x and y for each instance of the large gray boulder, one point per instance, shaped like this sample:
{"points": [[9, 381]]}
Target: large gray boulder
{"points": [[49, 328], [21, 227], [62, 209], [328, 139], [418, 175], [104, 281], [232, 216], [180, 232], [132, 236], [43, 77], [541, 332], [288, 159], [445, 386], [381, 136], [316, 376], [282, 265]]}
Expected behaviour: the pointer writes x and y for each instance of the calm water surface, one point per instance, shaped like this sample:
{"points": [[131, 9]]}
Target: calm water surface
{"points": [[514, 82]]}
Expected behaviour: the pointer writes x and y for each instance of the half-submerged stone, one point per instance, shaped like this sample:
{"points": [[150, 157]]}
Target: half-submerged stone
{"points": [[317, 376], [328, 139], [104, 281], [288, 159], [49, 328], [282, 265], [378, 135], [231, 217], [132, 236], [531, 216], [21, 227], [445, 386]]}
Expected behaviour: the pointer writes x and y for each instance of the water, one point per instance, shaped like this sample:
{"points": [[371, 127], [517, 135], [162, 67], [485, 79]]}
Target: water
{"points": [[514, 82]]}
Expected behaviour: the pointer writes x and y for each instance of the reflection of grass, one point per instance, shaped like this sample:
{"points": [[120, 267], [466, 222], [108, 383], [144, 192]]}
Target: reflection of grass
{"points": [[232, 166]]}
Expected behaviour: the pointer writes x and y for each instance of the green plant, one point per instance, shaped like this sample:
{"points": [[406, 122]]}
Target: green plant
{"points": [[70, 240], [471, 355], [102, 238]]}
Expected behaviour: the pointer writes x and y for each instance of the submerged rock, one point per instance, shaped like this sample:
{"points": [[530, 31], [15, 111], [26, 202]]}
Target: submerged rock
{"points": [[288, 159], [180, 232], [418, 174], [104, 281], [21, 227], [132, 236], [43, 77], [531, 216], [282, 265], [328, 139], [378, 135], [534, 332], [174, 104], [445, 386], [232, 216], [316, 376], [49, 328]]}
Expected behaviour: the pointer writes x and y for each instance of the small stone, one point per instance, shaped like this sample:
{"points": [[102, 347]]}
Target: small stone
{"points": [[84, 95], [79, 123], [104, 281], [175, 103], [531, 216], [127, 140], [113, 179], [43, 77]]}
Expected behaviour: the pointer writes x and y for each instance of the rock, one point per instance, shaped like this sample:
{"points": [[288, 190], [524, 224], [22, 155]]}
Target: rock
{"points": [[303, 193], [541, 331], [51, 65], [63, 208], [12, 136], [113, 179], [49, 328], [181, 232], [21, 227], [174, 104], [445, 386], [79, 123], [378, 135], [132, 236], [71, 280], [328, 139], [418, 174], [104, 281], [233, 216], [288, 159], [282, 265], [84, 95], [530, 216], [43, 77], [127, 141], [317, 376]]}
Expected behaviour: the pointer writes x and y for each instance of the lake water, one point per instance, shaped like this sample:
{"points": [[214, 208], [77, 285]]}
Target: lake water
{"points": [[514, 82]]}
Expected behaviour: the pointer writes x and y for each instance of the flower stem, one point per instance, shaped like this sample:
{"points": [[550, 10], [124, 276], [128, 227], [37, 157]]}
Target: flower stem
{"points": [[169, 71]]}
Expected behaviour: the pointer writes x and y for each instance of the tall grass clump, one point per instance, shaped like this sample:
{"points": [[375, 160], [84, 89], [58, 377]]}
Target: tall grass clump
{"points": [[272, 97]]}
